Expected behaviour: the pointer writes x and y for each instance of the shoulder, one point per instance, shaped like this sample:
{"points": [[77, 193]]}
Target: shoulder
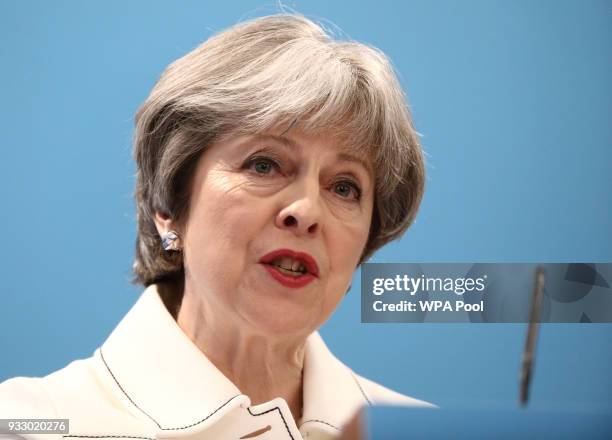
{"points": [[378, 394], [29, 397], [333, 374], [25, 397], [83, 392], [44, 395]]}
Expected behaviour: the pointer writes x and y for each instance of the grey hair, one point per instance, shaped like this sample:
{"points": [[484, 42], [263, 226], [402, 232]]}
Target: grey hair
{"points": [[261, 74]]}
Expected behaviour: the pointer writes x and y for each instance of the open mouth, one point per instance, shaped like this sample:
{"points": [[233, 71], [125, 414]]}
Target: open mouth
{"points": [[289, 266]]}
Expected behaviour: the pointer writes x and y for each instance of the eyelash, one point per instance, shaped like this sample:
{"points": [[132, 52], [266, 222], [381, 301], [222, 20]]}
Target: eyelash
{"points": [[256, 159], [353, 186], [252, 161]]}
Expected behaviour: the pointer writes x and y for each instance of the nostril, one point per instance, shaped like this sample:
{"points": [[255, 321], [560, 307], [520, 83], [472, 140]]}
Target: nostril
{"points": [[312, 228], [290, 221]]}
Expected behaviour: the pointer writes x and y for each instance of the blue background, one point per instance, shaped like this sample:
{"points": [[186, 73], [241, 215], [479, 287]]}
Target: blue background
{"points": [[513, 99]]}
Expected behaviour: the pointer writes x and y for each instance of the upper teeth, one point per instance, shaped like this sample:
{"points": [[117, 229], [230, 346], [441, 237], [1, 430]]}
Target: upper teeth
{"points": [[290, 264]]}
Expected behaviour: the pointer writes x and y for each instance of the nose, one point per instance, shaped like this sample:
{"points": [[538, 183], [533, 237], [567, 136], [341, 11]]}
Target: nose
{"points": [[301, 213]]}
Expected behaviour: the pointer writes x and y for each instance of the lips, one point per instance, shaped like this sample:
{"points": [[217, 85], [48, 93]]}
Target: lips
{"points": [[290, 268]]}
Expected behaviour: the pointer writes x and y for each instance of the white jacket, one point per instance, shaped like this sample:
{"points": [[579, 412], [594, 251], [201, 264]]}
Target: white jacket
{"points": [[149, 381]]}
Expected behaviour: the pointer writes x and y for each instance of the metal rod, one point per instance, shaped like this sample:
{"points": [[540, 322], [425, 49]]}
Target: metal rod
{"points": [[532, 335]]}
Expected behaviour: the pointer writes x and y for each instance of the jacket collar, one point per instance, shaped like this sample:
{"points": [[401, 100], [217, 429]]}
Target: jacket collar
{"points": [[168, 379]]}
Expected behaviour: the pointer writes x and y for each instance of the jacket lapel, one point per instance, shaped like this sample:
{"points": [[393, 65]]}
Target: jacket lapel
{"points": [[331, 391], [169, 380], [162, 372]]}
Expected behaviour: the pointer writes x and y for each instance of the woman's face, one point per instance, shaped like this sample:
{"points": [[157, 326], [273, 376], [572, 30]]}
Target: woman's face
{"points": [[276, 227]]}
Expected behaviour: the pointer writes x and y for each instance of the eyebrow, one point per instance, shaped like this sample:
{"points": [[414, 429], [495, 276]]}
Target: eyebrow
{"points": [[356, 159], [342, 155]]}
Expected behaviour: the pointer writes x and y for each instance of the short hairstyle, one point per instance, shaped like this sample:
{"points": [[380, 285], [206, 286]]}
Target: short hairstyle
{"points": [[250, 78]]}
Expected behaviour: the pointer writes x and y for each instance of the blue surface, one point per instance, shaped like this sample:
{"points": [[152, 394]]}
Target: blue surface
{"points": [[387, 423], [513, 100]]}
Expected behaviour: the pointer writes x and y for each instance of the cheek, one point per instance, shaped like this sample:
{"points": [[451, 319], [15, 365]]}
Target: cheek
{"points": [[221, 224], [352, 236], [345, 248]]}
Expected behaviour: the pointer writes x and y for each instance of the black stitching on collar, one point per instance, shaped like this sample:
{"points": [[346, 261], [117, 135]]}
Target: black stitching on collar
{"points": [[204, 419], [276, 408], [212, 413], [123, 391], [154, 421], [361, 389], [320, 421]]}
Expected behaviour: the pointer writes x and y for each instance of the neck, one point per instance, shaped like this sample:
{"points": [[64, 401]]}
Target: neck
{"points": [[261, 366]]}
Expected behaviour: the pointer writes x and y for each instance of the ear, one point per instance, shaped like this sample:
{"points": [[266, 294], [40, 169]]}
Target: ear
{"points": [[170, 239], [163, 223]]}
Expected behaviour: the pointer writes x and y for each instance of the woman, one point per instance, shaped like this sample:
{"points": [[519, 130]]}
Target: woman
{"points": [[271, 162]]}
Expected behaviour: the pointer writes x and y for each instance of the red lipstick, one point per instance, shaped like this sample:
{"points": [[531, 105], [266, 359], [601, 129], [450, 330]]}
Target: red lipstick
{"points": [[293, 281]]}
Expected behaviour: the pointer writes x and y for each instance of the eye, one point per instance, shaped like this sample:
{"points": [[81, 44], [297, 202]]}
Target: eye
{"points": [[262, 165], [347, 189]]}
